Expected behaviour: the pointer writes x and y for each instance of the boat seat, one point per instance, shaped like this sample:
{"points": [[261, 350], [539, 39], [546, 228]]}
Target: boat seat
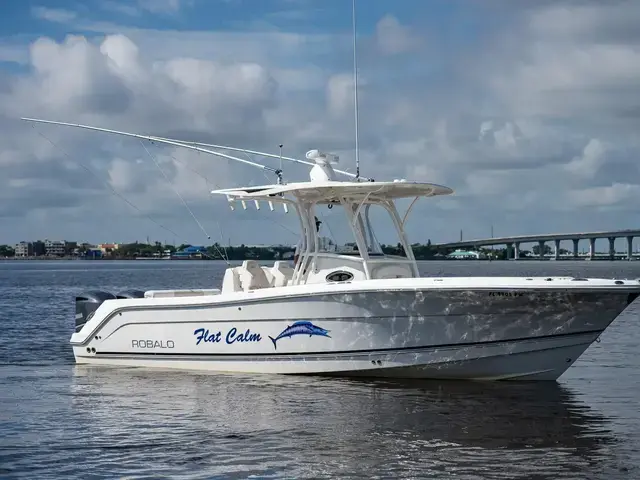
{"points": [[269, 274], [282, 273], [252, 276], [231, 281]]}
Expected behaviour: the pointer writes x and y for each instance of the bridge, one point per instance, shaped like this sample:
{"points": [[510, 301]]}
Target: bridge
{"points": [[513, 243]]}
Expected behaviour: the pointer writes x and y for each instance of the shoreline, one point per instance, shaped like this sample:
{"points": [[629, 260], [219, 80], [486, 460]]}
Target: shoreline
{"points": [[441, 259]]}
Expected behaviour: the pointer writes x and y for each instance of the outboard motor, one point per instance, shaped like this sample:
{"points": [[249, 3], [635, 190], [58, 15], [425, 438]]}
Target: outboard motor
{"points": [[87, 303], [131, 293]]}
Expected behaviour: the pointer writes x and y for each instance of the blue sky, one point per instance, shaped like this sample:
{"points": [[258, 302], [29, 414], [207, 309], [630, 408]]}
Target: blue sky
{"points": [[528, 110], [292, 15]]}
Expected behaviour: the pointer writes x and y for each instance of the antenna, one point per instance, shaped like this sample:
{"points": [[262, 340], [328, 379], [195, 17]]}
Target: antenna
{"points": [[280, 146], [355, 89]]}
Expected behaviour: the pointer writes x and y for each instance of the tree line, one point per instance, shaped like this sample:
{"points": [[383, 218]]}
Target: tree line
{"points": [[217, 251]]}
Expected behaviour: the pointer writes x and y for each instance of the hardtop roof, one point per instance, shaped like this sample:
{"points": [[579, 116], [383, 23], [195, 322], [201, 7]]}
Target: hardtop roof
{"points": [[333, 191]]}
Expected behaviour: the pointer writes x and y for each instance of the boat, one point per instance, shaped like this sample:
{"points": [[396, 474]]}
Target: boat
{"points": [[349, 312], [370, 314]]}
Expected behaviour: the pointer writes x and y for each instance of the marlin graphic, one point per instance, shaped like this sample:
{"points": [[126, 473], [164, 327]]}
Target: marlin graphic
{"points": [[302, 327]]}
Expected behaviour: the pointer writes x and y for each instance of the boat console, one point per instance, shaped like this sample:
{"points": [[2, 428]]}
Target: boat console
{"points": [[357, 200]]}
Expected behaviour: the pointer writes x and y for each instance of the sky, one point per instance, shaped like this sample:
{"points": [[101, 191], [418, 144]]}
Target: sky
{"points": [[528, 110]]}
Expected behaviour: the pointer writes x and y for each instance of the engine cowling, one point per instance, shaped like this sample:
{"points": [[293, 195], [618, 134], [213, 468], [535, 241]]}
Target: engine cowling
{"points": [[87, 303]]}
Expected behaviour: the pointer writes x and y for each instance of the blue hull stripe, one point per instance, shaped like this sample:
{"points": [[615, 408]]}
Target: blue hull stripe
{"points": [[329, 353]]}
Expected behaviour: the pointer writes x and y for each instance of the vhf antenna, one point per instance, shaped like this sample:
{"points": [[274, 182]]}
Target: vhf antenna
{"points": [[355, 91], [280, 178]]}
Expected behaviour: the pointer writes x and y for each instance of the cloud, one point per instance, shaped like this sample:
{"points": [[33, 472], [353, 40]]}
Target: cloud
{"points": [[575, 61], [593, 157], [534, 125], [134, 9], [164, 6], [14, 53], [340, 92], [105, 82], [53, 14], [120, 8], [605, 196], [393, 37]]}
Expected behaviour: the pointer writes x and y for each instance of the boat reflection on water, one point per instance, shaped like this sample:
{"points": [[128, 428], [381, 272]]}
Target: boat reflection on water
{"points": [[204, 425]]}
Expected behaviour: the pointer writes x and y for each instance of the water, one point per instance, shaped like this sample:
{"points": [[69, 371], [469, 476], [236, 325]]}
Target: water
{"points": [[58, 420]]}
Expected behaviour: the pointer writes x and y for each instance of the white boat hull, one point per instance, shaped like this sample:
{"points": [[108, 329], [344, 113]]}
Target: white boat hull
{"points": [[538, 359], [401, 333]]}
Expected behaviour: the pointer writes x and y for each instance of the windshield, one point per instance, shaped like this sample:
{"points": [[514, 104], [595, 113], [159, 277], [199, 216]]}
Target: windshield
{"points": [[380, 232]]}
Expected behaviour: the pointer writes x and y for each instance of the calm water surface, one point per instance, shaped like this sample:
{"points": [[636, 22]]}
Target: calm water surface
{"points": [[58, 420]]}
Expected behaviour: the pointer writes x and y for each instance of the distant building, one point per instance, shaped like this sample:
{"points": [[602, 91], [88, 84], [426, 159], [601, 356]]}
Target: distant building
{"points": [[54, 248], [466, 255], [70, 248], [325, 244], [93, 253], [39, 248], [190, 252], [164, 255], [24, 249], [107, 248]]}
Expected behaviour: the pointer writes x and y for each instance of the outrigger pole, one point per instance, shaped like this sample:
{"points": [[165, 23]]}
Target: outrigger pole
{"points": [[197, 146]]}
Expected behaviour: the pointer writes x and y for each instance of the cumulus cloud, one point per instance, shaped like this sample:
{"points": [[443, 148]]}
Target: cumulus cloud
{"points": [[393, 37], [605, 196], [533, 123], [577, 61], [109, 83], [592, 158]]}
